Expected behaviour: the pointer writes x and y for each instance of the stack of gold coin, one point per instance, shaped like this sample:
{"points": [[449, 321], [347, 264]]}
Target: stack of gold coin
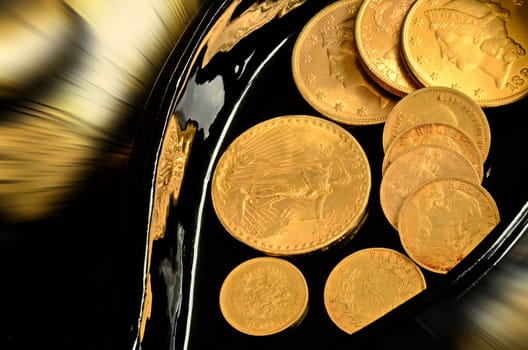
{"points": [[292, 185], [264, 296], [368, 284], [431, 135], [328, 70]]}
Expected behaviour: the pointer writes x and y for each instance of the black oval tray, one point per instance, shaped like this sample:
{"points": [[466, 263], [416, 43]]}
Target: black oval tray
{"points": [[235, 90]]}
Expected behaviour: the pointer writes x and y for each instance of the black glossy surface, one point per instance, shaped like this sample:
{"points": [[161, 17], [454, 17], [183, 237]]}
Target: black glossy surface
{"points": [[236, 90]]}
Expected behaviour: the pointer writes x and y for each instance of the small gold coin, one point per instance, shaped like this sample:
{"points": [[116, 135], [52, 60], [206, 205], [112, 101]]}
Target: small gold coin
{"points": [[439, 105], [377, 34], [444, 220], [435, 134], [292, 185], [478, 47], [264, 296], [416, 167], [328, 72], [368, 284]]}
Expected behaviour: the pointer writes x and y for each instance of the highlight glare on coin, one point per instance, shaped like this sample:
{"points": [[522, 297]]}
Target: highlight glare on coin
{"points": [[292, 185], [412, 169], [328, 73], [478, 47], [439, 105], [444, 220], [377, 33], [368, 284], [264, 296]]}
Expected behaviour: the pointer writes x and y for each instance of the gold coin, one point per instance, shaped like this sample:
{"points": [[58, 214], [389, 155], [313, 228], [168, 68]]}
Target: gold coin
{"points": [[328, 73], [292, 185], [435, 134], [264, 296], [416, 167], [478, 47], [368, 284], [377, 33], [444, 220], [439, 105]]}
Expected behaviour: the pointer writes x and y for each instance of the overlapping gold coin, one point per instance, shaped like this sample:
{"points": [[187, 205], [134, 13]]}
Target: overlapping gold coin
{"points": [[328, 71], [444, 220], [416, 167], [439, 105], [478, 47], [438, 134], [368, 284], [292, 185], [264, 296], [377, 34]]}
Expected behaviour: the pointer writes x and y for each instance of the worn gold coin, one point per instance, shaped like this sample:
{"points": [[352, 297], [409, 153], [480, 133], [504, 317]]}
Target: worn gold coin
{"points": [[478, 47], [377, 33], [435, 134], [368, 284], [439, 105], [292, 185], [416, 167], [264, 296], [328, 73], [444, 220]]}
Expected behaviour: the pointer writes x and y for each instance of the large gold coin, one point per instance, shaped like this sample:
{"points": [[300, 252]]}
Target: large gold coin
{"points": [[368, 284], [292, 185], [377, 34], [478, 47], [435, 134], [439, 105], [416, 167], [264, 296], [328, 73], [444, 220]]}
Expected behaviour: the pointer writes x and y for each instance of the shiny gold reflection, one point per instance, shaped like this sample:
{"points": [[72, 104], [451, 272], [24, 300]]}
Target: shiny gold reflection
{"points": [[70, 76]]}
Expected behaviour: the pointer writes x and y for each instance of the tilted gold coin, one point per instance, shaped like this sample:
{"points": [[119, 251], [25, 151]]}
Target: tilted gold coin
{"points": [[377, 33], [478, 47], [328, 73], [435, 134], [439, 105], [368, 284], [292, 185], [444, 220], [264, 296], [416, 167]]}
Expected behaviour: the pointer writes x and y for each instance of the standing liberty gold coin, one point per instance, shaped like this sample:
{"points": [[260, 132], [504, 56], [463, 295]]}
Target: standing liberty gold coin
{"points": [[368, 284], [478, 47], [444, 220], [264, 296], [328, 73], [377, 34], [435, 134], [439, 105], [292, 185], [418, 166]]}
